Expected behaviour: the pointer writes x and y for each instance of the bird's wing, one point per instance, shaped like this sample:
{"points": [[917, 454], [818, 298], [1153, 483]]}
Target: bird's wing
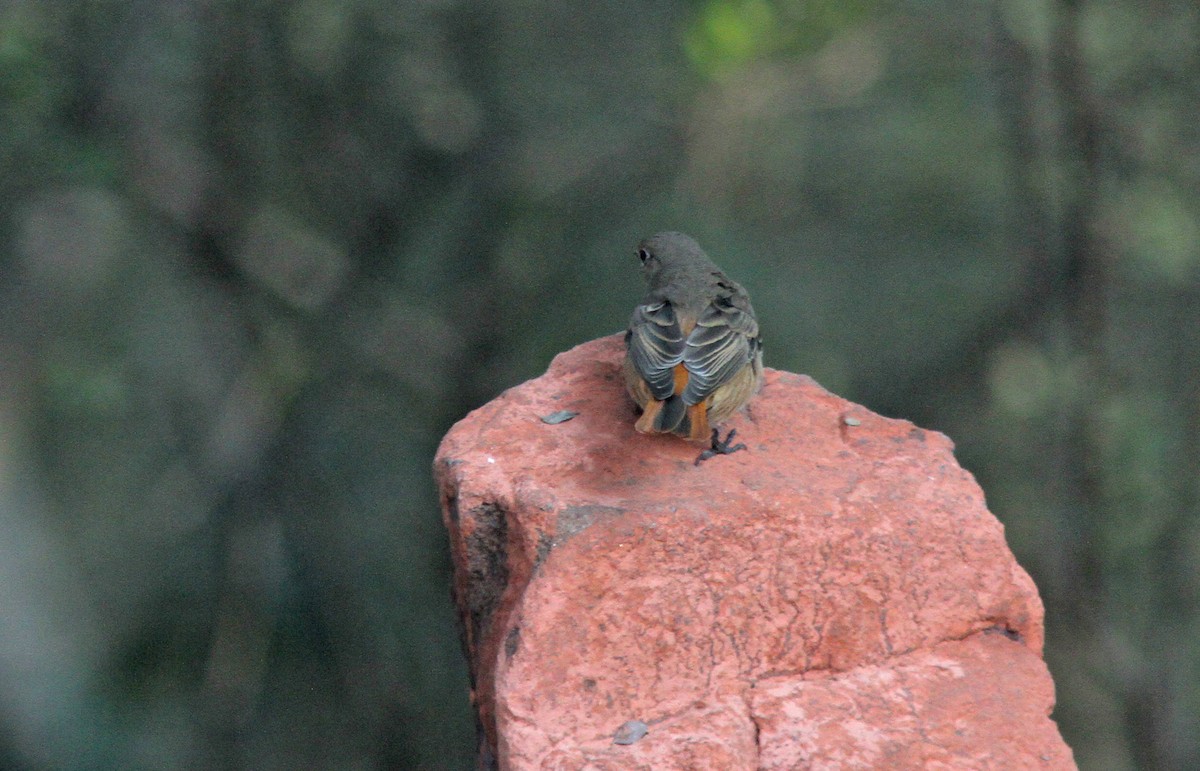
{"points": [[656, 346], [724, 340]]}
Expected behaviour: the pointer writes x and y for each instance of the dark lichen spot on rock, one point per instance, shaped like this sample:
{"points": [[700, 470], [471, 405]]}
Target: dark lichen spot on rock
{"points": [[487, 566], [1008, 632], [512, 642], [544, 545]]}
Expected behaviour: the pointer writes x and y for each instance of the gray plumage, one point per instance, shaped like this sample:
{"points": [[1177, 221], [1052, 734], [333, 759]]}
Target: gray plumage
{"points": [[696, 316]]}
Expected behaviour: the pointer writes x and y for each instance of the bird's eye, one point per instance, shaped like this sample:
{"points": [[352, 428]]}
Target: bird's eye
{"points": [[643, 255]]}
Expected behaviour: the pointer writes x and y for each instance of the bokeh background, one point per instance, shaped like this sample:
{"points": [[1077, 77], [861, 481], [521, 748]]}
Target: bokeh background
{"points": [[256, 257]]}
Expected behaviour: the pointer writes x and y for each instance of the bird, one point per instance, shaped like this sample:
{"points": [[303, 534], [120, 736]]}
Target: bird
{"points": [[693, 353]]}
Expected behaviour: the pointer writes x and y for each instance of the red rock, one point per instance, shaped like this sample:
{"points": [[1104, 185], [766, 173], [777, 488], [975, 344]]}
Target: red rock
{"points": [[980, 702], [835, 596]]}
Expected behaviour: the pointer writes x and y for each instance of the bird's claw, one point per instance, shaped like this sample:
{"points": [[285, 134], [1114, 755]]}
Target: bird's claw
{"points": [[720, 447]]}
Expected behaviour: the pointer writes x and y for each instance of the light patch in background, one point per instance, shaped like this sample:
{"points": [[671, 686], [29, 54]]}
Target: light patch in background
{"points": [[444, 113], [50, 645], [449, 120], [1022, 380], [1028, 21], [70, 240], [850, 64], [395, 332], [318, 35], [291, 259], [1156, 233]]}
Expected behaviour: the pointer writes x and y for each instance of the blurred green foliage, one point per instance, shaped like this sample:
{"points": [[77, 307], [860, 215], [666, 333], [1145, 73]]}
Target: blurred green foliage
{"points": [[727, 34], [258, 257]]}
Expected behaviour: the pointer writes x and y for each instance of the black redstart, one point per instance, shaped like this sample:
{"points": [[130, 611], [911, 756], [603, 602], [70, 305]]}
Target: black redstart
{"points": [[693, 352]]}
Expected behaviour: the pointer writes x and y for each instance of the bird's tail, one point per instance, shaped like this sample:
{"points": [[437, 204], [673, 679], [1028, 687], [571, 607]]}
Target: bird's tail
{"points": [[673, 417], [687, 420]]}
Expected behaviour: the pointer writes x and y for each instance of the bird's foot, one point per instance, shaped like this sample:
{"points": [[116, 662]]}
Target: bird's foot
{"points": [[720, 447]]}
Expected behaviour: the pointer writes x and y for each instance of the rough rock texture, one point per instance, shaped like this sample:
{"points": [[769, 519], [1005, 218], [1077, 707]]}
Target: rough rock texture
{"points": [[836, 596]]}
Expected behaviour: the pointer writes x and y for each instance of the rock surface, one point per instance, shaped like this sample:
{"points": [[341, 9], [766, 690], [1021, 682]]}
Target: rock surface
{"points": [[835, 596]]}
